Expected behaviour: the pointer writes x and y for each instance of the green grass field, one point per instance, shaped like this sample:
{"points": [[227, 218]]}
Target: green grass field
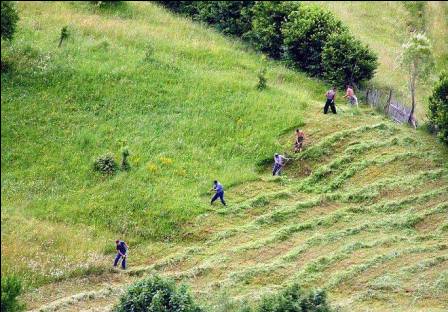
{"points": [[361, 212]]}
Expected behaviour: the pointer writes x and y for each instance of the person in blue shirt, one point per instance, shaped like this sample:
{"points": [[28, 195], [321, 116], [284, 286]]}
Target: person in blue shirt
{"points": [[122, 250], [219, 192]]}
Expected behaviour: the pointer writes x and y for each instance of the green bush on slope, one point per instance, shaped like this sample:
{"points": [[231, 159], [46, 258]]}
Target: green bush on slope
{"points": [[347, 60], [156, 295], [9, 20], [11, 289], [438, 107], [229, 17], [268, 19], [293, 299], [306, 33]]}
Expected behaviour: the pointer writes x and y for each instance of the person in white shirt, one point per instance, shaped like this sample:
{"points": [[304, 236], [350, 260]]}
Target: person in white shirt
{"points": [[279, 161]]}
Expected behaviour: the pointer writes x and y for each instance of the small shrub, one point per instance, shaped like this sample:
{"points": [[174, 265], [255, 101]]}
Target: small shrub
{"points": [[346, 60], [11, 289], [157, 295], [262, 80], [64, 35], [229, 17], [9, 20], [293, 299], [105, 164], [124, 161], [267, 20], [306, 31], [149, 51], [438, 107]]}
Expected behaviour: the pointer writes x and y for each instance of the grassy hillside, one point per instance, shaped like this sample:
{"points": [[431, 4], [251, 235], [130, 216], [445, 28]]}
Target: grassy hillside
{"points": [[383, 27], [362, 212]]}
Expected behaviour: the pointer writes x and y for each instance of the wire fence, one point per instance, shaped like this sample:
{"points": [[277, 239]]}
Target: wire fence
{"points": [[387, 103]]}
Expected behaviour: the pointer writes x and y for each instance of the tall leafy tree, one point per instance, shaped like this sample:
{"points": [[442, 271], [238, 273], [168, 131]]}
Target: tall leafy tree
{"points": [[418, 61], [347, 61], [306, 32], [438, 107], [9, 19]]}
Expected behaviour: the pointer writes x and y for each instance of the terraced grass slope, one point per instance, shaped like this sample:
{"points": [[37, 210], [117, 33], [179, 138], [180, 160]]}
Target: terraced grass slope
{"points": [[361, 212]]}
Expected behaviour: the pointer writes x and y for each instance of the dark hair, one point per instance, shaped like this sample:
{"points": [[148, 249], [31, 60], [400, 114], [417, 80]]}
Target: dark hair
{"points": [[297, 130], [117, 241], [215, 181]]}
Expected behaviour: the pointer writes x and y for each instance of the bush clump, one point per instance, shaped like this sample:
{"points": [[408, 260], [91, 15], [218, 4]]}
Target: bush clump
{"points": [[229, 17], [310, 38], [438, 107], [347, 61], [9, 20], [156, 295], [182, 7], [105, 164], [267, 21], [124, 161], [11, 289], [306, 31], [293, 299], [262, 80]]}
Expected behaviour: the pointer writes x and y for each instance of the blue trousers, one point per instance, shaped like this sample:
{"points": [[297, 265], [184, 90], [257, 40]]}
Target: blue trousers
{"points": [[276, 170], [123, 262], [221, 197]]}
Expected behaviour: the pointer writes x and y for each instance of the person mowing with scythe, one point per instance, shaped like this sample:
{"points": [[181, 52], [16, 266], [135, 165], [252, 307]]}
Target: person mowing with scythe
{"points": [[279, 162], [122, 249], [350, 95], [330, 95], [300, 138], [219, 189]]}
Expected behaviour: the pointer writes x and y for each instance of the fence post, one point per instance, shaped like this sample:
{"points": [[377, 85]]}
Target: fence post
{"points": [[367, 98], [386, 108]]}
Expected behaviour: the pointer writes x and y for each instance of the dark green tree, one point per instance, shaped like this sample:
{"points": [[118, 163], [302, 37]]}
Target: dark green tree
{"points": [[11, 289], [438, 107], [189, 8], [306, 32], [346, 60], [229, 17], [9, 19], [267, 20]]}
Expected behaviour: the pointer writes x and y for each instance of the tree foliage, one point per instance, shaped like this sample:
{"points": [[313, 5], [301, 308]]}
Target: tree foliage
{"points": [[438, 107], [229, 17], [105, 164], [11, 289], [293, 299], [181, 7], [418, 61], [347, 61], [306, 33], [9, 20], [156, 295], [266, 31]]}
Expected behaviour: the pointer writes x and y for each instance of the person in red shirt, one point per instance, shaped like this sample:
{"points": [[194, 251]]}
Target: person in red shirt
{"points": [[300, 138], [350, 95]]}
